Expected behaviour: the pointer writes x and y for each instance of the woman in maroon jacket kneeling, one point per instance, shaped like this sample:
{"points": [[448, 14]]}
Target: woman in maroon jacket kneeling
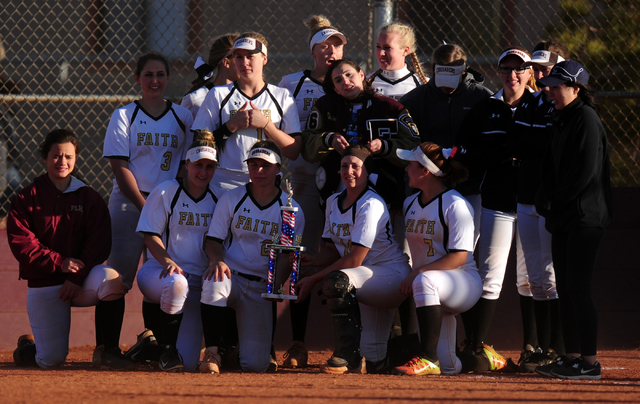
{"points": [[59, 230]]}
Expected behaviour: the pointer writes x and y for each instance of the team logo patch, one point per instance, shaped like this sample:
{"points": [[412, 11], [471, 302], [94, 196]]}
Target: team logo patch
{"points": [[406, 120]]}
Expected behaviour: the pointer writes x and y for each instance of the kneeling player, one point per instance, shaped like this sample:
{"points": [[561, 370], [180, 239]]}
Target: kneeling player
{"points": [[174, 222], [59, 230], [364, 269], [245, 220]]}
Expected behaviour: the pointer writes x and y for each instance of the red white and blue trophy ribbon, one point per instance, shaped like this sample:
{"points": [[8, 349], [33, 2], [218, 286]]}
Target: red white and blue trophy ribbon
{"points": [[288, 241]]}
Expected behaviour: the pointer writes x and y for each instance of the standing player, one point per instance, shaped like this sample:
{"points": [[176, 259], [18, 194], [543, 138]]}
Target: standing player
{"points": [[174, 223], [246, 111], [445, 279], [488, 134], [363, 269], [531, 143], [396, 41], [326, 45], [59, 231], [145, 144], [244, 222], [220, 60], [577, 203]]}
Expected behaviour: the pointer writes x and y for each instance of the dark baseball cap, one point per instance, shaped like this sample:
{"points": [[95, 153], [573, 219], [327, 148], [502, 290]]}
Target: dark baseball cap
{"points": [[563, 72]]}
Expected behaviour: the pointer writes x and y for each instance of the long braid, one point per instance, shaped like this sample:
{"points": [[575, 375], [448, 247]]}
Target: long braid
{"points": [[418, 67]]}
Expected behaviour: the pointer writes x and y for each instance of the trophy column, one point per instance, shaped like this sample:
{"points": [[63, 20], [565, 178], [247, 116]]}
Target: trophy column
{"points": [[287, 241]]}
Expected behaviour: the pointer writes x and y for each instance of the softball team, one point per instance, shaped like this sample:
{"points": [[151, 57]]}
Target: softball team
{"points": [[246, 111], [174, 223], [519, 157], [326, 45]]}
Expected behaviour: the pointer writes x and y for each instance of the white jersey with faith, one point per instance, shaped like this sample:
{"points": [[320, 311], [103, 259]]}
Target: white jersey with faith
{"points": [[181, 222], [365, 223], [395, 83], [442, 226], [223, 102], [154, 147], [305, 91], [245, 228]]}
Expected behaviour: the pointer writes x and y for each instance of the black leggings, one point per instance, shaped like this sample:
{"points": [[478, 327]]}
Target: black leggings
{"points": [[574, 260]]}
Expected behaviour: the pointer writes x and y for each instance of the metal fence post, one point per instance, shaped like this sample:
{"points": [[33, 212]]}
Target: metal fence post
{"points": [[382, 14]]}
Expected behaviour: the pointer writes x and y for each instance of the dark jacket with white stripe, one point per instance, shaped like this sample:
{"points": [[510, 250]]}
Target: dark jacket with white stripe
{"points": [[489, 135]]}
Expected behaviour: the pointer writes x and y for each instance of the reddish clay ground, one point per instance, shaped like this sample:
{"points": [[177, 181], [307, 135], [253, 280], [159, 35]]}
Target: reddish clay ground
{"points": [[77, 382]]}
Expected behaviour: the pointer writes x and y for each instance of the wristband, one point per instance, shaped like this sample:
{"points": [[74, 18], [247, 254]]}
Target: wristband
{"points": [[328, 138]]}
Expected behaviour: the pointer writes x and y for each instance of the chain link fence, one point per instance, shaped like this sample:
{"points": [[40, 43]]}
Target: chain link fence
{"points": [[70, 64]]}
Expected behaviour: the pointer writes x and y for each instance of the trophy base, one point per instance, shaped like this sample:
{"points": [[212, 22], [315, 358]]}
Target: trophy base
{"points": [[279, 298]]}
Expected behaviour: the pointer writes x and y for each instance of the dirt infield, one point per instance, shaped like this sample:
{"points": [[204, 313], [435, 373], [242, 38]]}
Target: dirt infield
{"points": [[77, 382]]}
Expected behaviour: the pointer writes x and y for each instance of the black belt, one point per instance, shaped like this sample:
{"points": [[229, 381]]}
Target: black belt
{"points": [[248, 277]]}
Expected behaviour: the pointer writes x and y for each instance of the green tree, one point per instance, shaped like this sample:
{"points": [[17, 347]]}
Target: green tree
{"points": [[604, 37]]}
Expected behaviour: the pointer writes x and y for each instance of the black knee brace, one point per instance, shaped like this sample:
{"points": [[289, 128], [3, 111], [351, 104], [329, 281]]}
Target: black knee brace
{"points": [[337, 291], [346, 316]]}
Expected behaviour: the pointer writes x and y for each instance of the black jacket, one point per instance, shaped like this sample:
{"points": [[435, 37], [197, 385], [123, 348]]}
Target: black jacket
{"points": [[576, 183], [533, 134], [488, 134], [439, 115]]}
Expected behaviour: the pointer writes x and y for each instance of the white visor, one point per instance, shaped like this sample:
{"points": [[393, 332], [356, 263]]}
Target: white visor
{"points": [[325, 34], [250, 44], [522, 55], [448, 76], [264, 154], [201, 152], [417, 155], [544, 58]]}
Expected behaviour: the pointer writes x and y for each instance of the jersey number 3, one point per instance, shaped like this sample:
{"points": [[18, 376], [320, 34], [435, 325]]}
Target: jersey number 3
{"points": [[167, 161]]}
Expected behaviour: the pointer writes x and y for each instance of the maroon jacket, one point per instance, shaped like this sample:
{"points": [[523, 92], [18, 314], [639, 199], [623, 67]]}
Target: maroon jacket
{"points": [[46, 226]]}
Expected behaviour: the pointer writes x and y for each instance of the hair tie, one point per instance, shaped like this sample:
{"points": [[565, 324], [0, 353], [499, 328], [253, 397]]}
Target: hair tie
{"points": [[453, 152]]}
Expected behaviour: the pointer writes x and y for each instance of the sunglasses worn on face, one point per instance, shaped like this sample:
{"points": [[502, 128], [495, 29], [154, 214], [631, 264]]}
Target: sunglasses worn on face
{"points": [[508, 70]]}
